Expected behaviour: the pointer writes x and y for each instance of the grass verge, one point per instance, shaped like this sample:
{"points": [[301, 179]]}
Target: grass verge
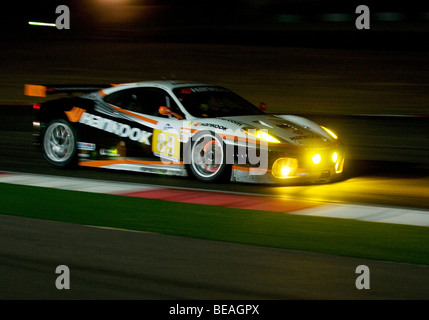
{"points": [[326, 235]]}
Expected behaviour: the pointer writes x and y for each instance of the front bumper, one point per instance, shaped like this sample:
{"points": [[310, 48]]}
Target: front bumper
{"points": [[311, 165]]}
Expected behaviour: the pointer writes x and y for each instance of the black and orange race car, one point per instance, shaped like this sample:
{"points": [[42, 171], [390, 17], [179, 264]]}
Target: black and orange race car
{"points": [[181, 128]]}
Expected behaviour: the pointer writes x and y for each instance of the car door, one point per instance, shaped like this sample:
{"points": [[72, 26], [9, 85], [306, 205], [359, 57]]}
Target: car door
{"points": [[138, 109]]}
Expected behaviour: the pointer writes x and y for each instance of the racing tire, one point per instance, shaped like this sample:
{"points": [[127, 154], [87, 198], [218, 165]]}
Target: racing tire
{"points": [[59, 144], [208, 158]]}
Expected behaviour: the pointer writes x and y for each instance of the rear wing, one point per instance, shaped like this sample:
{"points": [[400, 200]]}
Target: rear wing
{"points": [[34, 90]]}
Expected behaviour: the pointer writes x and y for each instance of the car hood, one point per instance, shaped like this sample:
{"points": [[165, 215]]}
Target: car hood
{"points": [[293, 130]]}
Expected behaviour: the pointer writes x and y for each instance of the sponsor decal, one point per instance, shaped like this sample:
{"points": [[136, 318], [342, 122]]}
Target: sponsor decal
{"points": [[112, 152], [202, 89], [289, 127], [238, 123], [167, 126], [295, 138], [111, 126], [86, 146], [214, 126]]}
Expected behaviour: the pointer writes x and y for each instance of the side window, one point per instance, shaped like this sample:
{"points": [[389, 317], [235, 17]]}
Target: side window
{"points": [[128, 99], [142, 100], [169, 102], [119, 98]]}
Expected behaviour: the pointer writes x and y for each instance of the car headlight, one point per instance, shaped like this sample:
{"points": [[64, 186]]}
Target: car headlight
{"points": [[284, 168], [260, 134], [316, 158], [330, 132]]}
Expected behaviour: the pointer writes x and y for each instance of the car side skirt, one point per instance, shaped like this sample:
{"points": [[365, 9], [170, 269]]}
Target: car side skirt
{"points": [[156, 167]]}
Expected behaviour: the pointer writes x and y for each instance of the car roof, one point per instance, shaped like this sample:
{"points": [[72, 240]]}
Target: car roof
{"points": [[163, 84]]}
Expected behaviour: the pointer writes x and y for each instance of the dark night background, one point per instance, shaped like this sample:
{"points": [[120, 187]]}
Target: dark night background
{"points": [[306, 23], [294, 55]]}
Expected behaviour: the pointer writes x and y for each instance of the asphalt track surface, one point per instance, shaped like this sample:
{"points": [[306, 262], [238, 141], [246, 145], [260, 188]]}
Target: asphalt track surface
{"points": [[116, 264]]}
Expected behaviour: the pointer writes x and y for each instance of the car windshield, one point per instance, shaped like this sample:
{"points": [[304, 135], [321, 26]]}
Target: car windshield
{"points": [[212, 102]]}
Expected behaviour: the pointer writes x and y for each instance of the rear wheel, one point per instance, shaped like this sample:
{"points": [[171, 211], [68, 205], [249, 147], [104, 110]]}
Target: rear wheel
{"points": [[208, 158], [59, 144]]}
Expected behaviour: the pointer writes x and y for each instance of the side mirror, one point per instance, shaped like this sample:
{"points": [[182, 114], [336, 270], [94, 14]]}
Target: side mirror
{"points": [[262, 106], [166, 111]]}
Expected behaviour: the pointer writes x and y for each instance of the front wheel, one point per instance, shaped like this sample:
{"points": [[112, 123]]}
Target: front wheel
{"points": [[59, 144], [208, 158]]}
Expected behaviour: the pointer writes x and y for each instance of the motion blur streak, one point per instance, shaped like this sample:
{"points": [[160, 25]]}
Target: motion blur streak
{"points": [[41, 24]]}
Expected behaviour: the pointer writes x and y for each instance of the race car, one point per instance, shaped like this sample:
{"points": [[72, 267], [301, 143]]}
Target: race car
{"points": [[181, 128]]}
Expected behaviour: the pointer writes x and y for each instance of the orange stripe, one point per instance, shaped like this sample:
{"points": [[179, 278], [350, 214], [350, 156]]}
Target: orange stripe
{"points": [[256, 141], [136, 116], [236, 138], [74, 114], [190, 129], [103, 163], [240, 168], [249, 168]]}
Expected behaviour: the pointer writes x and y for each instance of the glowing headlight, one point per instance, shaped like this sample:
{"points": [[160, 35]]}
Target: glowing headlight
{"points": [[260, 134], [316, 158], [339, 166], [284, 167], [330, 132], [334, 157]]}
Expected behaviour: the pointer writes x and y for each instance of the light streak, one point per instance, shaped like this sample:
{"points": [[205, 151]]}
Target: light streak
{"points": [[41, 24]]}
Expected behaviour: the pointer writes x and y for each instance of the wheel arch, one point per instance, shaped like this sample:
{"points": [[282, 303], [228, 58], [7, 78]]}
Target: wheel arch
{"points": [[225, 170]]}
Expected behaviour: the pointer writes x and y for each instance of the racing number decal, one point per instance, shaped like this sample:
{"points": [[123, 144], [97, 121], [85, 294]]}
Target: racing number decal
{"points": [[166, 144]]}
